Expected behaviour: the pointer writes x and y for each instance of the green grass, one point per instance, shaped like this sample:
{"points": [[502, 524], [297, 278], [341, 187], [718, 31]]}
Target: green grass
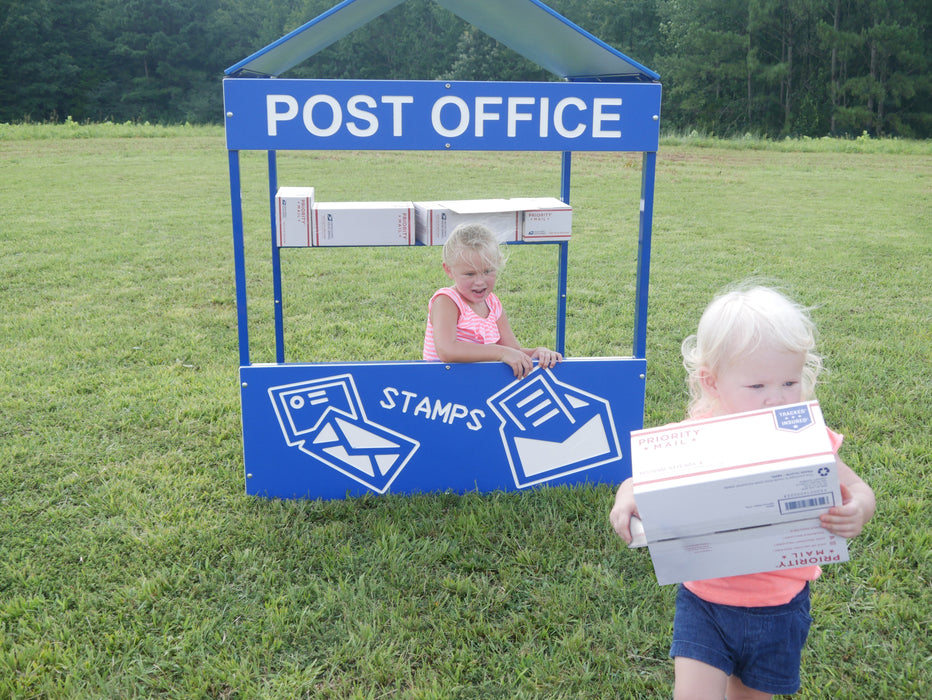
{"points": [[133, 565]]}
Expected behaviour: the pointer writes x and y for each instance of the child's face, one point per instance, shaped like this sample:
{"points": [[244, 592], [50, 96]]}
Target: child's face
{"points": [[473, 277], [762, 379]]}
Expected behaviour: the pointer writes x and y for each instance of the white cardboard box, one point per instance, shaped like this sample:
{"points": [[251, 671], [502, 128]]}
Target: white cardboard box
{"points": [[737, 494], [436, 220], [363, 223], [294, 216], [544, 218]]}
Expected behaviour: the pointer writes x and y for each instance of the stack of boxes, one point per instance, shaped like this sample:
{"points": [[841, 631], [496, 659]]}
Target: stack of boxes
{"points": [[737, 494], [302, 222]]}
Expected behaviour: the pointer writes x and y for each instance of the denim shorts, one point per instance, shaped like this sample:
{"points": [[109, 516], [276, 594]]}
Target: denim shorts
{"points": [[761, 646]]}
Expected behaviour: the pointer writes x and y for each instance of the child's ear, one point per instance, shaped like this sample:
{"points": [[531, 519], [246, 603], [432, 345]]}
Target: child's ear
{"points": [[446, 268], [708, 381]]}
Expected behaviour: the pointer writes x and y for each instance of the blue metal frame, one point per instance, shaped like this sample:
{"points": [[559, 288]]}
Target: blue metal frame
{"points": [[644, 228], [255, 122], [278, 296], [648, 169], [239, 258], [328, 430]]}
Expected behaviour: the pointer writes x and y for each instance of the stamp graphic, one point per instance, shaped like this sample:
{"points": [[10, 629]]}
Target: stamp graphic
{"points": [[325, 419]]}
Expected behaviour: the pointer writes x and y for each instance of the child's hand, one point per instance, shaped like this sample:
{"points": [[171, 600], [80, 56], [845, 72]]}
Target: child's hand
{"points": [[546, 358], [848, 519], [520, 363], [623, 509]]}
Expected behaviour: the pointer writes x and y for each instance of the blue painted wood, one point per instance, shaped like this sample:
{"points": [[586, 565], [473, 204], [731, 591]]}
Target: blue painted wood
{"points": [[347, 429], [425, 115]]}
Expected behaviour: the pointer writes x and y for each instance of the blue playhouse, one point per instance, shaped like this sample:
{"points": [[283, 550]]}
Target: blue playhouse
{"points": [[332, 430]]}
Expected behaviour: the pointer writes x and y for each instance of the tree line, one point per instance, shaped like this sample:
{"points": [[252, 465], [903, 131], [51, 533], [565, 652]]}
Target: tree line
{"points": [[765, 67]]}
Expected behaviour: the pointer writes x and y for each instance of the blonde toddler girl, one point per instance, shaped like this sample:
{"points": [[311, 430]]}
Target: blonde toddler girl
{"points": [[466, 321], [742, 636]]}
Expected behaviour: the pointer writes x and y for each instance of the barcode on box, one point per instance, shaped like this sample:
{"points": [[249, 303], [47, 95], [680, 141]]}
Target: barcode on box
{"points": [[796, 505]]}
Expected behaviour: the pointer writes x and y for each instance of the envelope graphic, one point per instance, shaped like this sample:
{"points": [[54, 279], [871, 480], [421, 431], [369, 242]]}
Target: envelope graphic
{"points": [[551, 429], [356, 447], [325, 419], [539, 456]]}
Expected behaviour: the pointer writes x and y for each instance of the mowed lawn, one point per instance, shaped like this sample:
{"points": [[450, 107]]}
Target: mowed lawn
{"points": [[132, 564]]}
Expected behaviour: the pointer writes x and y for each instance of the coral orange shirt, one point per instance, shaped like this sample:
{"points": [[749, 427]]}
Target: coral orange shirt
{"points": [[764, 589]]}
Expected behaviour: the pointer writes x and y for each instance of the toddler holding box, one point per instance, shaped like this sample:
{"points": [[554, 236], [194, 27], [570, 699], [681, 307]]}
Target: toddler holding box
{"points": [[742, 636]]}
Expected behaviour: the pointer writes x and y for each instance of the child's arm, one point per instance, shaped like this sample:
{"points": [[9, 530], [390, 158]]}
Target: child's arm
{"points": [[858, 504], [443, 318], [623, 509], [545, 357]]}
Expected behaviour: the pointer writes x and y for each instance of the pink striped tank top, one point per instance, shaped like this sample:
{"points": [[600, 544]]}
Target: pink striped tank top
{"points": [[470, 327]]}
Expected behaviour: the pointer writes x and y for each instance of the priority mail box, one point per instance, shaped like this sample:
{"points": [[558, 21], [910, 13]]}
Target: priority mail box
{"points": [[436, 220], [737, 494], [294, 220], [363, 223], [544, 218]]}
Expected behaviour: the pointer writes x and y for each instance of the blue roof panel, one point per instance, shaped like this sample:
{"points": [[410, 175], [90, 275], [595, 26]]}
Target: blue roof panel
{"points": [[528, 27]]}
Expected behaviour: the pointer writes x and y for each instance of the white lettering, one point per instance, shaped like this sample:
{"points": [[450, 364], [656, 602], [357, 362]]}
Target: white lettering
{"points": [[336, 117], [442, 410], [273, 116], [599, 117], [457, 102], [396, 101], [544, 117], [458, 412], [355, 111], [558, 117], [423, 406], [408, 396], [367, 116], [388, 402], [482, 116], [448, 413], [514, 116]]}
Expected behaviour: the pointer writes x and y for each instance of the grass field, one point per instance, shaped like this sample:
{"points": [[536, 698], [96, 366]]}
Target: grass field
{"points": [[133, 565]]}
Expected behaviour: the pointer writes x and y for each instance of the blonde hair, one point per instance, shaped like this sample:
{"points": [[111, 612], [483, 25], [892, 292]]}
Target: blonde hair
{"points": [[736, 323], [469, 238]]}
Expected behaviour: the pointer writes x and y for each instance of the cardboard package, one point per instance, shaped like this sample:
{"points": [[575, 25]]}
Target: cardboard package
{"points": [[737, 494], [436, 220], [363, 223], [294, 219], [544, 218], [516, 219]]}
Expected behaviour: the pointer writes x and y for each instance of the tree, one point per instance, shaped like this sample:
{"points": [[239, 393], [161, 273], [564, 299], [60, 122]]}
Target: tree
{"points": [[415, 41], [630, 26], [48, 58], [703, 62], [889, 71], [728, 66]]}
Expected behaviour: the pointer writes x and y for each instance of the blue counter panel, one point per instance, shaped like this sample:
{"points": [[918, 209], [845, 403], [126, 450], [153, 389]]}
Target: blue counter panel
{"points": [[346, 429]]}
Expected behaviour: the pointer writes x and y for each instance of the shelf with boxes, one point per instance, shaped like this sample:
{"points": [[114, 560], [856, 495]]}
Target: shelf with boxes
{"points": [[302, 222]]}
